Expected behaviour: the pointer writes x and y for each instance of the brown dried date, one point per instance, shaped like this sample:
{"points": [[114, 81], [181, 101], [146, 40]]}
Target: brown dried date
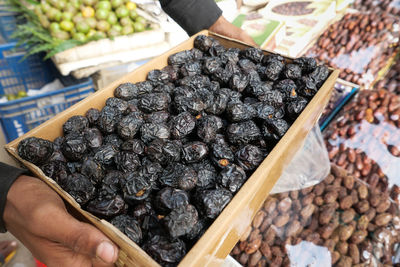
{"points": [[362, 206], [346, 202], [270, 204], [281, 220], [253, 246], [345, 232], [383, 206], [293, 228], [348, 215], [258, 219], [342, 248], [358, 236], [330, 197], [284, 204], [383, 219]]}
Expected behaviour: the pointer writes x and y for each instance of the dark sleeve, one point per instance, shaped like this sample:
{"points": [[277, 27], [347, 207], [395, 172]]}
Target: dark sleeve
{"points": [[192, 15], [8, 175]]}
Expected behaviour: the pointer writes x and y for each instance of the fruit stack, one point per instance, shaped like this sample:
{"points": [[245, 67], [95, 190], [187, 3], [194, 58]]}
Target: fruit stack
{"points": [[83, 20]]}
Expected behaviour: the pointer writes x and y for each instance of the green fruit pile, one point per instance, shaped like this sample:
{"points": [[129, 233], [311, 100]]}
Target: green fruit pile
{"points": [[20, 94], [84, 19]]}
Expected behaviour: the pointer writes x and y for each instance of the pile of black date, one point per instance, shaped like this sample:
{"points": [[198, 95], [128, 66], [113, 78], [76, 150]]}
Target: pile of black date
{"points": [[164, 157]]}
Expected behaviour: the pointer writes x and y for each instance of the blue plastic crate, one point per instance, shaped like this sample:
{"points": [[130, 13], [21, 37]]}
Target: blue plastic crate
{"points": [[8, 24], [17, 75], [20, 116]]}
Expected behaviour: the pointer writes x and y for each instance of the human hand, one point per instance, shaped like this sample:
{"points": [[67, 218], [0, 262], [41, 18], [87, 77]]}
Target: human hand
{"points": [[37, 216], [224, 27]]}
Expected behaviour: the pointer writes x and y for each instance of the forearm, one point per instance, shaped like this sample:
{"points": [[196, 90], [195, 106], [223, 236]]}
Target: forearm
{"points": [[8, 175], [193, 16]]}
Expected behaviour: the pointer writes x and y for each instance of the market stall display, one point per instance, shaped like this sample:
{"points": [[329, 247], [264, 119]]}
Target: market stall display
{"points": [[83, 37], [176, 162], [390, 6], [360, 45], [189, 138], [340, 221], [391, 81], [365, 139], [303, 22], [54, 26]]}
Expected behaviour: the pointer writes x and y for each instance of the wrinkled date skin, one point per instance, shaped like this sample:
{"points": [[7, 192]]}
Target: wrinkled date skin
{"points": [[164, 157], [35, 150]]}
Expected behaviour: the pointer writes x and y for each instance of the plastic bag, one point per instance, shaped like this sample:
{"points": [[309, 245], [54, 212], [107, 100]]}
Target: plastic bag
{"points": [[340, 222], [365, 139], [309, 166], [391, 81], [360, 44], [391, 6]]}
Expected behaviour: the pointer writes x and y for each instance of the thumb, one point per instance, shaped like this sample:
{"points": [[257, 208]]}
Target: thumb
{"points": [[86, 239]]}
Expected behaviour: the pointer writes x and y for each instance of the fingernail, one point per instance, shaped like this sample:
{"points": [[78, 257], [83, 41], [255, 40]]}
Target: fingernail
{"points": [[105, 251], [13, 243]]}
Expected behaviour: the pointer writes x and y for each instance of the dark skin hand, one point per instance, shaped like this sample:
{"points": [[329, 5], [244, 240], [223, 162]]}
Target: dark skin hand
{"points": [[224, 27], [37, 216]]}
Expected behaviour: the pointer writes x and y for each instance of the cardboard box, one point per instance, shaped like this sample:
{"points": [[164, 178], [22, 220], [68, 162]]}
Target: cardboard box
{"points": [[222, 235]]}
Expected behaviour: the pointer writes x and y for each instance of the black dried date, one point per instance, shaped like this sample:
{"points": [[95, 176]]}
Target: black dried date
{"points": [[249, 157], [181, 220], [76, 124], [170, 198], [164, 250], [232, 177], [35, 150], [106, 208], [182, 125], [136, 187], [243, 132], [128, 226], [212, 202], [79, 187], [74, 146], [194, 151]]}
